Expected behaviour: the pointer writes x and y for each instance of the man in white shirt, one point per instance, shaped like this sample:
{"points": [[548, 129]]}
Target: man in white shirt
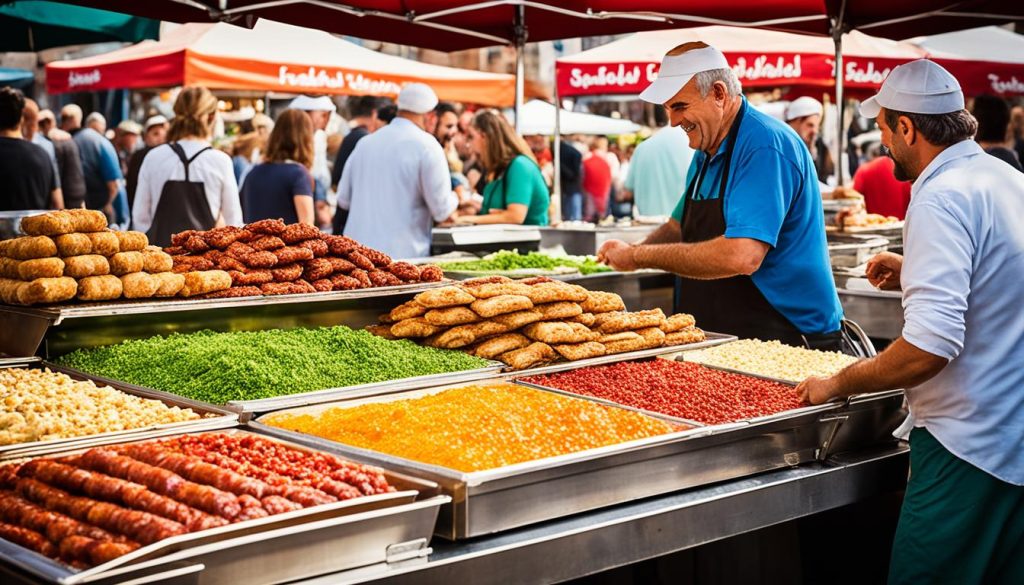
{"points": [[396, 182], [962, 347]]}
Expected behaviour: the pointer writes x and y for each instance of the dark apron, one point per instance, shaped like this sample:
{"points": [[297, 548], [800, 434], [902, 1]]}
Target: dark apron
{"points": [[183, 205], [728, 305]]}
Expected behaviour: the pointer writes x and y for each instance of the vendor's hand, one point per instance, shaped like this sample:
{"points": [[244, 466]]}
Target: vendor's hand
{"points": [[619, 257], [817, 390], [465, 220], [608, 245], [883, 271]]}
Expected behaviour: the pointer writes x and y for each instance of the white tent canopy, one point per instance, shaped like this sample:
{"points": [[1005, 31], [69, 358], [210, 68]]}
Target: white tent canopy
{"points": [[538, 117], [988, 43]]}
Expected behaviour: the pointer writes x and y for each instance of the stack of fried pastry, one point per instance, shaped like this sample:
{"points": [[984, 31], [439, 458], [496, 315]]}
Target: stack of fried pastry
{"points": [[530, 322], [71, 254], [268, 257]]}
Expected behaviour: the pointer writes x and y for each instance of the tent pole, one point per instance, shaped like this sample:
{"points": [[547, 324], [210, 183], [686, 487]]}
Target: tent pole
{"points": [[837, 38], [520, 44], [555, 209]]}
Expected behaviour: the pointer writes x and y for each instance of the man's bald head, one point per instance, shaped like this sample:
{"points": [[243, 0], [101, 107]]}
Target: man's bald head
{"points": [[71, 117], [29, 119]]}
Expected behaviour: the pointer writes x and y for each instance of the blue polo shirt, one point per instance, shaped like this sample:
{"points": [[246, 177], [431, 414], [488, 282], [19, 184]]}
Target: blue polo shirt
{"points": [[772, 196]]}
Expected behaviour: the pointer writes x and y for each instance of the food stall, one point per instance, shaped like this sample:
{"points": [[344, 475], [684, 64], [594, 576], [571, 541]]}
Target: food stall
{"points": [[268, 374]]}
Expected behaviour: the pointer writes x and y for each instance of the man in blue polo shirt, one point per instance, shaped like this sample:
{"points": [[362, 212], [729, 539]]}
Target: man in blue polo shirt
{"points": [[748, 234]]}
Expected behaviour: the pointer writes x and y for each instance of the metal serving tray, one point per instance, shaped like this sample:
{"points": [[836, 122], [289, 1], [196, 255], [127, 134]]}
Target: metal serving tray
{"points": [[294, 545], [712, 339], [245, 409], [490, 501], [219, 419]]}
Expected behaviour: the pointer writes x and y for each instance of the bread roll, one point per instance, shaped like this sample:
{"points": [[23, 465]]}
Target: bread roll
{"points": [[155, 260], [73, 244], [126, 262], [29, 247], [88, 220], [104, 243], [47, 290], [131, 241], [169, 284], [87, 265], [54, 223], [41, 268], [207, 281], [139, 285], [9, 268], [100, 288]]}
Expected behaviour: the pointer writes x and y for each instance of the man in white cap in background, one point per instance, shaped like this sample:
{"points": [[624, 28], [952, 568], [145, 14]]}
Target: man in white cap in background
{"points": [[154, 133], [319, 110], [804, 116], [962, 347], [748, 235], [396, 183]]}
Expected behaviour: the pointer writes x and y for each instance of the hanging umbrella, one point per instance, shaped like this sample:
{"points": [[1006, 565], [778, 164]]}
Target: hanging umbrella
{"points": [[987, 60], [30, 25]]}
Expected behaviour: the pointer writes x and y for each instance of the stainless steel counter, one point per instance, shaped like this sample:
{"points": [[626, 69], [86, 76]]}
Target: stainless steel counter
{"points": [[596, 541], [879, 313], [586, 240]]}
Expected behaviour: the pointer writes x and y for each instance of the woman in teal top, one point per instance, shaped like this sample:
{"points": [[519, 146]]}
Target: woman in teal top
{"points": [[515, 192]]}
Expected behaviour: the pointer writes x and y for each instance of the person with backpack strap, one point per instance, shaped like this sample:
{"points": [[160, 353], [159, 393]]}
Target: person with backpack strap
{"points": [[186, 184]]}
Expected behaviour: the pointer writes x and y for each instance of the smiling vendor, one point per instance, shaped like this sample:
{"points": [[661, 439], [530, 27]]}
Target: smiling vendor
{"points": [[748, 234]]}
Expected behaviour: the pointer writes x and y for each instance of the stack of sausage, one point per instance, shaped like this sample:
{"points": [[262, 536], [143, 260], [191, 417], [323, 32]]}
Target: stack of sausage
{"points": [[268, 257], [91, 508], [69, 254], [530, 322]]}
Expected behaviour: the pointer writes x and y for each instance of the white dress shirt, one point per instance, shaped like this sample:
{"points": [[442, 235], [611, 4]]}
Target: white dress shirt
{"points": [[212, 168], [963, 290], [396, 185]]}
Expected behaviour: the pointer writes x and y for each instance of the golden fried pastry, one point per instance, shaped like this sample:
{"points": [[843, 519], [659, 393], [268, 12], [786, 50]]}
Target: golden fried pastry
{"points": [[414, 327], [464, 335], [529, 356], [169, 284], [451, 316], [47, 290], [155, 260], [381, 330], [446, 296], [482, 280], [602, 302], [500, 305], [621, 336], [485, 288], [634, 344], [9, 268], [104, 243], [678, 322], [73, 244], [41, 268], [499, 344], [557, 332], [87, 265], [587, 319], [30, 247], [684, 336], [513, 321], [9, 290], [131, 241], [88, 220], [139, 285], [554, 291], [407, 310], [624, 321], [100, 288], [126, 262], [54, 223], [580, 351], [654, 335], [206, 281], [560, 310]]}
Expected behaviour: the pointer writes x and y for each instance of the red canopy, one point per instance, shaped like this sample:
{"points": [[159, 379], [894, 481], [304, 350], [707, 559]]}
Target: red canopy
{"points": [[760, 59], [449, 25]]}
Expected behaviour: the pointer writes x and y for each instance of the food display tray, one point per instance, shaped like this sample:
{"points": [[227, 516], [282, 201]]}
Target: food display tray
{"points": [[294, 545], [489, 501], [712, 339], [214, 418], [245, 409]]}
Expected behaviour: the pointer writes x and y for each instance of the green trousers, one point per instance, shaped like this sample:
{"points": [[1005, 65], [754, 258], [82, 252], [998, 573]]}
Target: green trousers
{"points": [[959, 525]]}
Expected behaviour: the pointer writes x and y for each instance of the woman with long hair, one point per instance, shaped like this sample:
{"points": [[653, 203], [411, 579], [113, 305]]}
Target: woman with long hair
{"points": [[516, 192], [186, 184], [282, 186]]}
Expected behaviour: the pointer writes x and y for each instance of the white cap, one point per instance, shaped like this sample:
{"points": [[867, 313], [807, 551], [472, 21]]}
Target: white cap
{"points": [[918, 87], [129, 127], [313, 104], [677, 70], [156, 120], [417, 98], [803, 107]]}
